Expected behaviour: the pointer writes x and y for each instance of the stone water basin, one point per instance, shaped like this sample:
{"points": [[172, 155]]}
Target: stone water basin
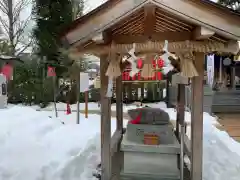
{"points": [[150, 161]]}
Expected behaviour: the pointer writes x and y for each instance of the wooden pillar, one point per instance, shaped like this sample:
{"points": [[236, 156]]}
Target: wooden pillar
{"points": [[130, 95], [142, 91], [180, 108], [119, 103], [105, 121], [167, 98], [197, 119], [118, 157], [233, 74]]}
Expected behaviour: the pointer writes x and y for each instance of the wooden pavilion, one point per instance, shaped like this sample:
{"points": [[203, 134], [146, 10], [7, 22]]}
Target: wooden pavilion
{"points": [[193, 29]]}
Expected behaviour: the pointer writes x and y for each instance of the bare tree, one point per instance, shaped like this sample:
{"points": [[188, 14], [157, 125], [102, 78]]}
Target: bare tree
{"points": [[14, 26], [234, 4]]}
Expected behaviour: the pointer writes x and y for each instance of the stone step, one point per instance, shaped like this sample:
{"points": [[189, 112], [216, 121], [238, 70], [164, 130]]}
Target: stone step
{"points": [[129, 176]]}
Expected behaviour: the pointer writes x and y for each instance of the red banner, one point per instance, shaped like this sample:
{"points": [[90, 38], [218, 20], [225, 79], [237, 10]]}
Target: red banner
{"points": [[7, 70], [51, 71]]}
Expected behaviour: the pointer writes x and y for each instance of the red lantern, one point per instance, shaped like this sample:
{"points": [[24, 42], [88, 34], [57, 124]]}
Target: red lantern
{"points": [[139, 63], [159, 76], [160, 63], [139, 76], [154, 77], [134, 77], [126, 76], [123, 76]]}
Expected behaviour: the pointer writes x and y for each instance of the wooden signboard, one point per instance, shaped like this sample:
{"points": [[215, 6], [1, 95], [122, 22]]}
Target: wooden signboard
{"points": [[84, 82]]}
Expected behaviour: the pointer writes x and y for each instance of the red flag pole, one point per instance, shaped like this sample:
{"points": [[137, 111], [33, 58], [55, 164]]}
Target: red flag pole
{"points": [[52, 73], [54, 95]]}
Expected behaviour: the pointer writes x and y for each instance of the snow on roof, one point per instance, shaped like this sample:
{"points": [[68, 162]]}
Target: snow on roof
{"points": [[9, 58], [5, 57], [91, 70]]}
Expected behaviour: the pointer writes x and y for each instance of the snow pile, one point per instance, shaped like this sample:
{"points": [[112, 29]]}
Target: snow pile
{"points": [[221, 155], [36, 147]]}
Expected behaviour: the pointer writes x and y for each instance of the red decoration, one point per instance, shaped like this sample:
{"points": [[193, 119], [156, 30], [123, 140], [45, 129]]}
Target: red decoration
{"points": [[159, 75], [51, 71], [125, 76], [137, 120], [68, 109], [156, 76], [154, 65], [139, 76], [160, 63], [140, 64], [7, 70]]}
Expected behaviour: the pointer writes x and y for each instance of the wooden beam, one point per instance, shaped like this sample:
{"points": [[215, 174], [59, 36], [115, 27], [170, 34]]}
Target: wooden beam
{"points": [[201, 33], [149, 19], [98, 39], [170, 36], [153, 47], [233, 47], [197, 119], [102, 37], [105, 121]]}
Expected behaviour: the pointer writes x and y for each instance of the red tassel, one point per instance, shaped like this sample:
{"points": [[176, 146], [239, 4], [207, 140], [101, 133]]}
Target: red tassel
{"points": [[68, 109]]}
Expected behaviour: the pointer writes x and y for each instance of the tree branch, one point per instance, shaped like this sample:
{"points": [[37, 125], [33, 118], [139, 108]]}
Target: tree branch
{"points": [[25, 47], [20, 30], [13, 25], [3, 7], [4, 25]]}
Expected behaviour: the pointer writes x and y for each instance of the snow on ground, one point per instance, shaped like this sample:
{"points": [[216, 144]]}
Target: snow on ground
{"points": [[36, 147], [94, 106]]}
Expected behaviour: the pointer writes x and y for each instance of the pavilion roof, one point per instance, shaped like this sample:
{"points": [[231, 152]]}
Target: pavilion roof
{"points": [[131, 21]]}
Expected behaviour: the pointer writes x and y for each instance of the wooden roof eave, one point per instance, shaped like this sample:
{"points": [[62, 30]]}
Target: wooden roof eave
{"points": [[230, 25], [206, 46], [104, 20]]}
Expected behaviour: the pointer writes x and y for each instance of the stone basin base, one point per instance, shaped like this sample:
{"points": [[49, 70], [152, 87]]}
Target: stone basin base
{"points": [[152, 162]]}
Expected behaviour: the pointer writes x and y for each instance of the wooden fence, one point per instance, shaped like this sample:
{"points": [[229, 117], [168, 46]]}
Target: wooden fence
{"points": [[208, 98], [145, 91]]}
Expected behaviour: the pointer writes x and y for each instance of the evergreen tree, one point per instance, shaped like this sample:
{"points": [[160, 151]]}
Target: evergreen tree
{"points": [[233, 4], [52, 17]]}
